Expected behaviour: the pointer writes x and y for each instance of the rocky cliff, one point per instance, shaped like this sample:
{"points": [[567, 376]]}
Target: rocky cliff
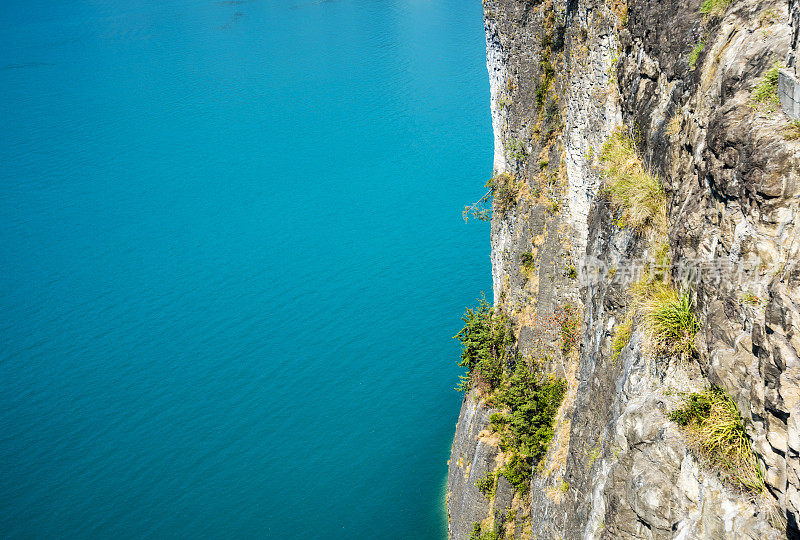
{"points": [[690, 84]]}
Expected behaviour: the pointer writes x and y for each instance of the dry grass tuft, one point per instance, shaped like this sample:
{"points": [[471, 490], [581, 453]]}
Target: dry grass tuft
{"points": [[631, 186], [556, 492], [792, 133], [674, 126]]}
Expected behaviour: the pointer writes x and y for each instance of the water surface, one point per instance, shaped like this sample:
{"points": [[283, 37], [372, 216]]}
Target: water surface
{"points": [[232, 261]]}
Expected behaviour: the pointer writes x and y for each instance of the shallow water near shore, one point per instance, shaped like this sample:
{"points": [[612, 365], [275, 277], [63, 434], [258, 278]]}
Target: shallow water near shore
{"points": [[232, 263]]}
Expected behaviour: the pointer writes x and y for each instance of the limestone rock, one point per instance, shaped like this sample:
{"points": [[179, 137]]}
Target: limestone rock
{"points": [[564, 75]]}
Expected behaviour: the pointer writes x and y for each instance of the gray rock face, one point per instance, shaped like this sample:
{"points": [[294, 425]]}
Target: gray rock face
{"points": [[618, 468], [794, 44], [471, 458], [789, 93]]}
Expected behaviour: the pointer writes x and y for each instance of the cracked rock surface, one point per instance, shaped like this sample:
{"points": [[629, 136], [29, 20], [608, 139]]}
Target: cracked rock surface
{"points": [[618, 467]]}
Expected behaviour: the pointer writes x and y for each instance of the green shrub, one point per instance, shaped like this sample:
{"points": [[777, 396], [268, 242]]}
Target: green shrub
{"points": [[504, 189], [526, 430], [541, 95], [631, 187], [765, 93], [497, 421], [716, 431], [529, 399], [487, 485], [695, 410], [547, 68], [528, 261], [533, 401], [518, 472], [494, 533], [484, 339], [548, 74], [572, 273], [480, 209], [668, 316], [516, 150]]}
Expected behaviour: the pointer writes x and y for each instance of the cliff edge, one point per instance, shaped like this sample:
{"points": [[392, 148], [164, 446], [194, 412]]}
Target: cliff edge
{"points": [[646, 183]]}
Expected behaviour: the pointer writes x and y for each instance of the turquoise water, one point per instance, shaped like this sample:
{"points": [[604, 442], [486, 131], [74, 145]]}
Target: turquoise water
{"points": [[232, 260]]}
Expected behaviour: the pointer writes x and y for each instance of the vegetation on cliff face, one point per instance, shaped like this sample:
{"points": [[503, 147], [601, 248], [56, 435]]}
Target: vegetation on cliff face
{"points": [[714, 7], [567, 317], [792, 132], [505, 190], [528, 398], [487, 485], [526, 429], [710, 420], [765, 93], [484, 340], [632, 188], [622, 335], [503, 193], [694, 55], [494, 532], [726, 166], [668, 316], [715, 430]]}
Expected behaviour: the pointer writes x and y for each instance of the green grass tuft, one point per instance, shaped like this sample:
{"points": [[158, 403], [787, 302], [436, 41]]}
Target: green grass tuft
{"points": [[716, 431], [765, 93], [622, 335], [668, 316], [695, 54], [714, 7], [631, 186]]}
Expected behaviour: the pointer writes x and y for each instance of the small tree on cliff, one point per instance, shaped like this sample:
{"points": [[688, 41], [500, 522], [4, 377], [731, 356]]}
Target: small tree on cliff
{"points": [[484, 339]]}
